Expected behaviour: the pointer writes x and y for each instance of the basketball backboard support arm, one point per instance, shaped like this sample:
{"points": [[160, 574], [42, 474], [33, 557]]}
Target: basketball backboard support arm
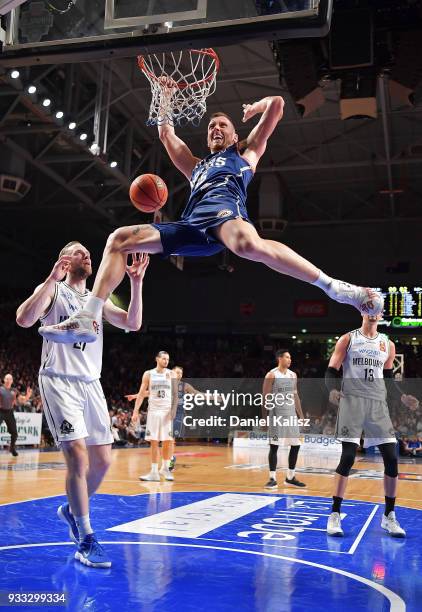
{"points": [[314, 21], [7, 5]]}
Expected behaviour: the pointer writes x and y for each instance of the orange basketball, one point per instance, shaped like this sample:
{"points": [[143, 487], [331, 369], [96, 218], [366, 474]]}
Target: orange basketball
{"points": [[148, 193]]}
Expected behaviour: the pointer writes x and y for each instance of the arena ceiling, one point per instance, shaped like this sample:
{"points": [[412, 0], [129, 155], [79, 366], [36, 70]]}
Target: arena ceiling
{"points": [[330, 171]]}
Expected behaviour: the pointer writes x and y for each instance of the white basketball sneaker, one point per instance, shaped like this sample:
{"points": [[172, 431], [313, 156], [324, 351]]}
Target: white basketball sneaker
{"points": [[391, 524], [151, 477], [334, 525], [365, 299], [165, 473], [80, 327]]}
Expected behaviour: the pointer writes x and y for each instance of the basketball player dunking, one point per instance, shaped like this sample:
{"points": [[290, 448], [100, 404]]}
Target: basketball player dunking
{"points": [[367, 358], [71, 393], [158, 384], [215, 218], [281, 382]]}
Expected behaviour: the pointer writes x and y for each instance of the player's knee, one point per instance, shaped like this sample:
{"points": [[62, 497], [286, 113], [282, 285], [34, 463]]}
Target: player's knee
{"points": [[347, 459], [389, 456], [245, 245], [116, 239], [76, 456], [101, 464]]}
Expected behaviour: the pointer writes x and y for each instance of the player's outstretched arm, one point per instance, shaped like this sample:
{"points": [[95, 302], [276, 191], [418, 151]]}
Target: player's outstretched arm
{"points": [[177, 149], [37, 304], [132, 319], [271, 109]]}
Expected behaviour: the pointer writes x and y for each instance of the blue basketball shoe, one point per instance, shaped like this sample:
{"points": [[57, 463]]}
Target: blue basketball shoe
{"points": [[91, 553], [64, 514]]}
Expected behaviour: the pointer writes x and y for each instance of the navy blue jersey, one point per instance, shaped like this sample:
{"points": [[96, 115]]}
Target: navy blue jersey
{"points": [[225, 174]]}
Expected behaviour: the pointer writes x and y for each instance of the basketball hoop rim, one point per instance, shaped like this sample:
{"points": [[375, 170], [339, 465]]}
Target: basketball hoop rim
{"points": [[142, 65]]}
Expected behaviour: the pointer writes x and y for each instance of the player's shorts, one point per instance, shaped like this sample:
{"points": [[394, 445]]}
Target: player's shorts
{"points": [[75, 410], [361, 414], [193, 236], [178, 425], [159, 425], [281, 434]]}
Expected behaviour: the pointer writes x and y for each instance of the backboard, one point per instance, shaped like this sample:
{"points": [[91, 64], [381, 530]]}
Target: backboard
{"points": [[53, 31]]}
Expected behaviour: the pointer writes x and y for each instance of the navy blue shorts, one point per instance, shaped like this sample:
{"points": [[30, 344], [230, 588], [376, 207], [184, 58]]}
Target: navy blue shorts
{"points": [[193, 235]]}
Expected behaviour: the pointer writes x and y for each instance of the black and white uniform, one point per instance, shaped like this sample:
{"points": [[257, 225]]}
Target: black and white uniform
{"points": [[364, 405], [69, 378], [159, 424], [281, 429]]}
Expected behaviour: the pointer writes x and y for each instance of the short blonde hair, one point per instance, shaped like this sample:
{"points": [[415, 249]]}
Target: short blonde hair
{"points": [[67, 247]]}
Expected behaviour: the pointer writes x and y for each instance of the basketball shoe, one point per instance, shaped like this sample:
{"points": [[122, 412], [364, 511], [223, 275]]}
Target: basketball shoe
{"points": [[271, 484], [80, 327], [334, 525], [366, 300], [392, 526], [64, 514], [91, 553], [165, 473]]}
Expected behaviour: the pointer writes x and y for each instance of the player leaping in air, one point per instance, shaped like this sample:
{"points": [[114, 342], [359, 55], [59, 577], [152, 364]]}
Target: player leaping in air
{"points": [[215, 218]]}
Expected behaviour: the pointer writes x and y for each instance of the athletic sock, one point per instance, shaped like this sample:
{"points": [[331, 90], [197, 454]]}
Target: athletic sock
{"points": [[84, 526], [154, 467], [389, 505], [323, 281], [94, 305], [272, 475], [336, 504], [166, 463], [290, 474]]}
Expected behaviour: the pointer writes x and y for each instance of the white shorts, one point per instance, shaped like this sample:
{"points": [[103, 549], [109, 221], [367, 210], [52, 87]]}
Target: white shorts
{"points": [[159, 425], [75, 409]]}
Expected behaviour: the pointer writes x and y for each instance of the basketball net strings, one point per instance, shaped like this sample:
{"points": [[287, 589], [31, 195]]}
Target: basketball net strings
{"points": [[193, 84]]}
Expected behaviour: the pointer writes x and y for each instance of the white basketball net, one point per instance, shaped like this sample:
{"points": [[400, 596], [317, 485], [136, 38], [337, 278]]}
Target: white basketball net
{"points": [[192, 74]]}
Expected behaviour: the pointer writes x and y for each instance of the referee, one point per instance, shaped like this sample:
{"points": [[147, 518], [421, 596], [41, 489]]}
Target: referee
{"points": [[7, 403]]}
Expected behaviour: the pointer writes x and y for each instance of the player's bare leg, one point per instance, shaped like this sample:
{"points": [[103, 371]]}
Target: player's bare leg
{"points": [[242, 239], [132, 239], [82, 327], [99, 462], [153, 475], [76, 512]]}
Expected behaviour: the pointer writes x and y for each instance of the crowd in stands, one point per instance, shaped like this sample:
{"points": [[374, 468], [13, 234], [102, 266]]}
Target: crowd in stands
{"points": [[126, 357]]}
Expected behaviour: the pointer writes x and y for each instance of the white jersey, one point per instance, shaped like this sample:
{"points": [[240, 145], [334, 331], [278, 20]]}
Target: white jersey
{"points": [[284, 386], [363, 367], [284, 382], [80, 360], [159, 390]]}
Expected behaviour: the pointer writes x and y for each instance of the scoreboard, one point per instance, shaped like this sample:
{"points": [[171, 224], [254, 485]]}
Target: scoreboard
{"points": [[403, 306]]}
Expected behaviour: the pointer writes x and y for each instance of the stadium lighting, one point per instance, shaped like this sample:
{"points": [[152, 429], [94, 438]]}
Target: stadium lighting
{"points": [[32, 89], [113, 164], [72, 125], [83, 136], [46, 102], [59, 115], [15, 74]]}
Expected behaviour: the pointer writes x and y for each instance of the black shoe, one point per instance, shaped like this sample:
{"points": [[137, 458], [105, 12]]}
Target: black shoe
{"points": [[294, 482], [172, 463], [14, 451], [271, 484]]}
